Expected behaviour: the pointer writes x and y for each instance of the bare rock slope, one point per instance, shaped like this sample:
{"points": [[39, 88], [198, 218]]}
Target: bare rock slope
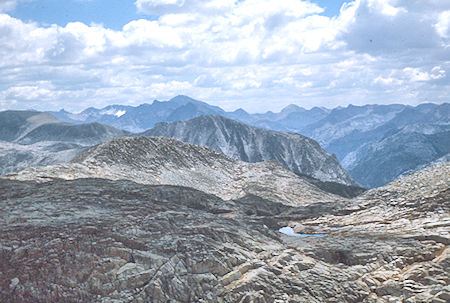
{"points": [[158, 160], [396, 240], [100, 240]]}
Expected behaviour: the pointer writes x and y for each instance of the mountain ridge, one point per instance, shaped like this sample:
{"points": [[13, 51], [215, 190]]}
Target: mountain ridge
{"points": [[30, 138], [250, 144], [343, 131], [159, 160]]}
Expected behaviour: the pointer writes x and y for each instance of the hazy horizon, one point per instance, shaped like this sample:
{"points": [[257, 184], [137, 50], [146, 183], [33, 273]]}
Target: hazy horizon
{"points": [[205, 101]]}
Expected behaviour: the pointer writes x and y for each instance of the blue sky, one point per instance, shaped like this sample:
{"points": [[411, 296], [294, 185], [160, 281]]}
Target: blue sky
{"points": [[256, 54], [113, 14]]}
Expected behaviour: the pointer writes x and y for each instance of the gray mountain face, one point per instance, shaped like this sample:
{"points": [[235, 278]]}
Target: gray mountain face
{"points": [[406, 150], [29, 127], [295, 152], [16, 157], [376, 144], [16, 124], [29, 138], [346, 129], [291, 119]]}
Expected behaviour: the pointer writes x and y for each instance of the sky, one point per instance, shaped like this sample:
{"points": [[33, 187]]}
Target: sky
{"points": [[257, 55]]}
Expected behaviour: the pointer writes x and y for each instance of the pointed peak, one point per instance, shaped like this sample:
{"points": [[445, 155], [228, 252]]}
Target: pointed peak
{"points": [[240, 111]]}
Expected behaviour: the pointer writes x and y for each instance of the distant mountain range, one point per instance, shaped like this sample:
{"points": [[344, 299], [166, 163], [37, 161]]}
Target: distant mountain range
{"points": [[375, 143], [408, 149], [378, 143], [357, 135], [29, 138], [142, 117], [39, 139]]}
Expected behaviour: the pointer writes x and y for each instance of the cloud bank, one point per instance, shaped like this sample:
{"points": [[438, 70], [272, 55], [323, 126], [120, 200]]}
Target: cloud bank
{"points": [[255, 54]]}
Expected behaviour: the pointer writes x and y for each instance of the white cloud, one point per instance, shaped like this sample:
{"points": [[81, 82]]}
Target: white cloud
{"points": [[417, 75], [7, 5], [389, 81], [385, 7], [170, 88], [390, 26], [27, 92], [234, 54], [443, 24]]}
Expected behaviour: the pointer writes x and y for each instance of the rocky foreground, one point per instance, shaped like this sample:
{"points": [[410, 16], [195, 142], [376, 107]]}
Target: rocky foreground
{"points": [[111, 240]]}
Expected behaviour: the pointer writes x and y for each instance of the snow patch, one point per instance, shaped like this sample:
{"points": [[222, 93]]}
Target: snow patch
{"points": [[290, 232], [114, 112], [120, 113]]}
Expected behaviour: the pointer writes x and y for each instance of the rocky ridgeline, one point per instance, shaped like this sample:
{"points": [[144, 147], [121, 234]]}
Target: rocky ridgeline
{"points": [[111, 240], [374, 143], [423, 184], [158, 160], [294, 152]]}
